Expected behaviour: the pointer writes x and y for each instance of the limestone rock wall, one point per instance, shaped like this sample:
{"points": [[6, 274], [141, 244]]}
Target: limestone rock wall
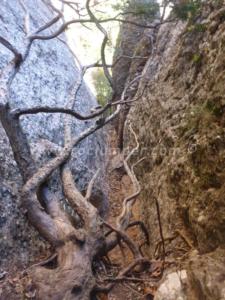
{"points": [[179, 120]]}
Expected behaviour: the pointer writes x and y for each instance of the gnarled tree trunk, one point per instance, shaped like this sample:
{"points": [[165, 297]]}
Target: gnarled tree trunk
{"points": [[77, 244], [69, 274]]}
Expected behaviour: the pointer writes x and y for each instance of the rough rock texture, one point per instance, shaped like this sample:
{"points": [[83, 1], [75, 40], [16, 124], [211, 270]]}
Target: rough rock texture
{"points": [[134, 46], [179, 121], [128, 38], [45, 78], [206, 276], [203, 279], [173, 287]]}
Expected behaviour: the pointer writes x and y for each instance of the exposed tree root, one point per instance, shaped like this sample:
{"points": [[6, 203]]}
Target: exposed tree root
{"points": [[69, 274]]}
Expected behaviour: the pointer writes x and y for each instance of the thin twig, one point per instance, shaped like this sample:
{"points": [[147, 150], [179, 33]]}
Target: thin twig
{"points": [[90, 186], [9, 46], [124, 272], [161, 233], [126, 239], [48, 109]]}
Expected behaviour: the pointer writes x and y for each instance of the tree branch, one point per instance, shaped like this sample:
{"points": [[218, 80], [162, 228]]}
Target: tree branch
{"points": [[124, 272], [161, 233], [104, 42], [10, 47], [74, 197], [90, 186], [47, 109], [64, 26], [134, 249], [18, 142], [26, 18], [124, 219]]}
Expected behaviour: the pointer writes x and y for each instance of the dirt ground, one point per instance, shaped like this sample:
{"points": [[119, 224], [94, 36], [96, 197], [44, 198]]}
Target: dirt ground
{"points": [[120, 187]]}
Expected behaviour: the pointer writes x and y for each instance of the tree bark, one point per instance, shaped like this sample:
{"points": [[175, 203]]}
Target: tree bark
{"points": [[70, 276]]}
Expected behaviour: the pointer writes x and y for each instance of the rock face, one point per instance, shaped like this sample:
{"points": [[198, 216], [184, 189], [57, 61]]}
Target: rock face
{"points": [[134, 46], [173, 287], [128, 38], [206, 276], [179, 120], [46, 78]]}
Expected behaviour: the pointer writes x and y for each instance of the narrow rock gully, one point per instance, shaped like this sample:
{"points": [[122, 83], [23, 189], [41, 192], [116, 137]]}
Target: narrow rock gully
{"points": [[141, 284]]}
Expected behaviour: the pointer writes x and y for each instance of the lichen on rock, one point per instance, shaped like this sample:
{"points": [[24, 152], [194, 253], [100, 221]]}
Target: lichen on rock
{"points": [[179, 121]]}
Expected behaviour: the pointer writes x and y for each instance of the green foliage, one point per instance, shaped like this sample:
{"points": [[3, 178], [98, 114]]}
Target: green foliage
{"points": [[119, 5], [214, 108], [137, 7], [102, 87], [196, 58], [147, 9], [187, 10], [197, 28]]}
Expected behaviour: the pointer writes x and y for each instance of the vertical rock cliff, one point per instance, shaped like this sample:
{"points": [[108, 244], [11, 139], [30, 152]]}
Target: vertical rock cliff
{"points": [[129, 36], [179, 120], [46, 78], [134, 46]]}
